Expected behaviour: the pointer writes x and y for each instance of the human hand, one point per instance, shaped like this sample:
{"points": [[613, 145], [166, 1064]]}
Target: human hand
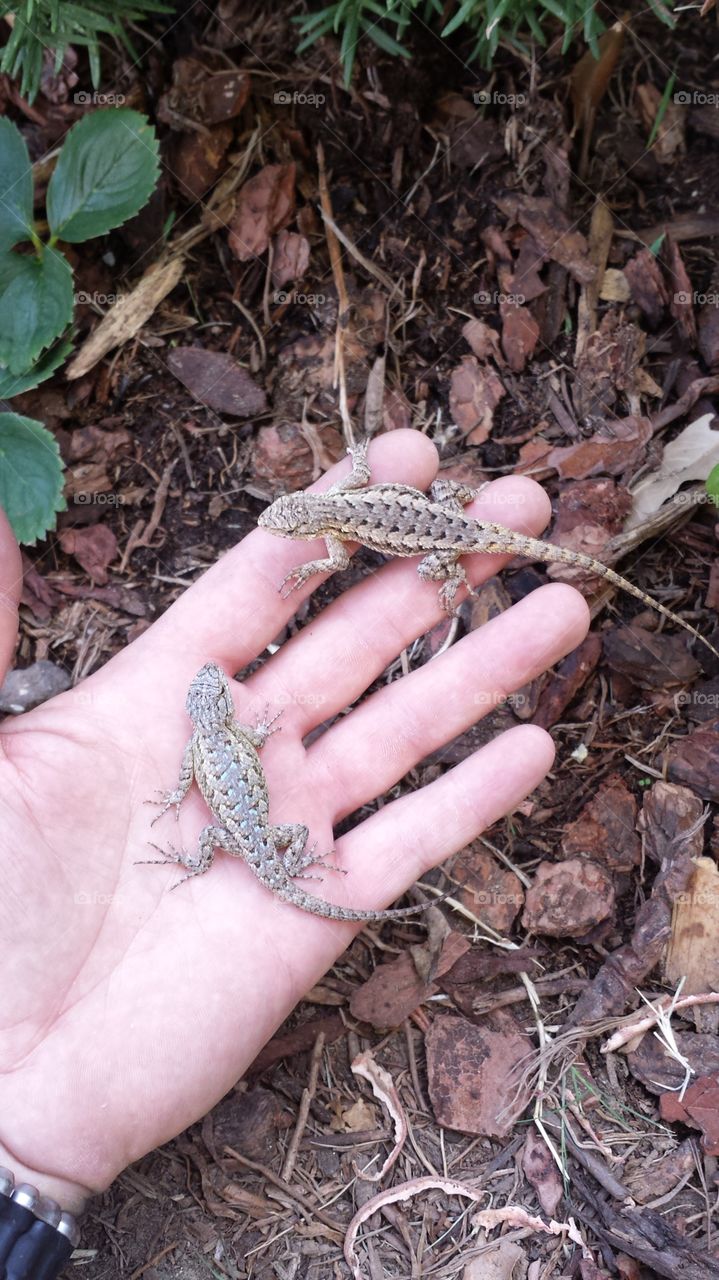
{"points": [[127, 1011]]}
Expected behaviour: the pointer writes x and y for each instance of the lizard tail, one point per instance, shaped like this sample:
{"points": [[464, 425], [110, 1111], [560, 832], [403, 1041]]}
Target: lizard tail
{"points": [[532, 547], [318, 907]]}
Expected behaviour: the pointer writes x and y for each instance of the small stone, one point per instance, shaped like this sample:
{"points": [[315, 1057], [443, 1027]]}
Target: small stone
{"points": [[27, 687]]}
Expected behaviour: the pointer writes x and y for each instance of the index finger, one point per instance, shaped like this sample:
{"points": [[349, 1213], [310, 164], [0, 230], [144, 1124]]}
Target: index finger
{"points": [[235, 610]]}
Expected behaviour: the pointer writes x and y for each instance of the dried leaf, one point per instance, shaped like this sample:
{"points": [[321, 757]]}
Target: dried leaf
{"points": [[264, 205], [290, 259], [93, 548], [217, 380], [475, 392], [541, 1171]]}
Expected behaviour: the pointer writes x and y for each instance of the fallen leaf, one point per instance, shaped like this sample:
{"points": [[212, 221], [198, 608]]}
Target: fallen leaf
{"points": [[589, 81], [93, 548], [475, 391], [284, 461], [699, 1108], [520, 334], [395, 989], [217, 380], [691, 456], [669, 129], [471, 1073], [290, 259], [617, 445], [264, 205], [541, 1171], [552, 230], [507, 1261], [198, 159], [568, 899], [484, 340]]}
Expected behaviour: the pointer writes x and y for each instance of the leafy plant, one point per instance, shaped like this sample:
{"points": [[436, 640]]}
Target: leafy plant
{"points": [[106, 172], [41, 25], [30, 476], [488, 22]]}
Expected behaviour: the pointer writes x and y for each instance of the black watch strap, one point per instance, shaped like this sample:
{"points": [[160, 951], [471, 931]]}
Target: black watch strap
{"points": [[36, 1236]]}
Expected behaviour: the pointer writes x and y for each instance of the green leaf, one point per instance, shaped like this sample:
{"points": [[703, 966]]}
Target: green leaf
{"points": [[35, 305], [13, 384], [107, 170], [30, 476], [15, 186], [712, 484]]}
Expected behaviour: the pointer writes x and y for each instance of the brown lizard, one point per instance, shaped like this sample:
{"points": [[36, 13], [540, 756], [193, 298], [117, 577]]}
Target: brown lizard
{"points": [[398, 520], [222, 758]]}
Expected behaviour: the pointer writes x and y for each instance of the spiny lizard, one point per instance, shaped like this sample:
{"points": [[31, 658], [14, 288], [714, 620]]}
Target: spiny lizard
{"points": [[222, 758], [398, 520]]}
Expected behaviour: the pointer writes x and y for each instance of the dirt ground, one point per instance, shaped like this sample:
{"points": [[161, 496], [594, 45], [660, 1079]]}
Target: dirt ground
{"points": [[495, 284]]}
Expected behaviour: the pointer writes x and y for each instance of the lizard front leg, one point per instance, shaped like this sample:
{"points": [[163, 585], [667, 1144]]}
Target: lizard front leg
{"points": [[258, 733], [359, 476], [337, 558], [184, 782]]}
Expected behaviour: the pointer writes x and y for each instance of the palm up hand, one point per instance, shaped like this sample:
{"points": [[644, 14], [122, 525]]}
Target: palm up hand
{"points": [[127, 1011]]}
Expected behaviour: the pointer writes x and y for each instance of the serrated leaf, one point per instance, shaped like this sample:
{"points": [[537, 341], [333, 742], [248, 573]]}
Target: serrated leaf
{"points": [[13, 384], [15, 186], [35, 305], [107, 170], [30, 476]]}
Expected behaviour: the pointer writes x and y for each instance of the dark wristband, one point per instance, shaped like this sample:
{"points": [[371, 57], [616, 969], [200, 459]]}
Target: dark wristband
{"points": [[36, 1236]]}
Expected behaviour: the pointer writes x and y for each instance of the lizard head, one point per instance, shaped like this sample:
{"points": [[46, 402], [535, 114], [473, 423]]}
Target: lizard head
{"points": [[291, 516], [209, 698]]}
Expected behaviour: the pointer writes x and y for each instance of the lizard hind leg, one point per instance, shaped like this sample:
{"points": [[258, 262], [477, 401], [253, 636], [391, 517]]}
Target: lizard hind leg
{"points": [[291, 838], [452, 493], [444, 567]]}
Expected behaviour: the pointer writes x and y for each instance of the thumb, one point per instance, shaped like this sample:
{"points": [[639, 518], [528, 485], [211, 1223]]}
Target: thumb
{"points": [[10, 588]]}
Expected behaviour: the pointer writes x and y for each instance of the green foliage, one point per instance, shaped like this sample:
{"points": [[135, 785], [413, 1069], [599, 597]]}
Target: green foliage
{"points": [[106, 172], [30, 476], [486, 22], [41, 25]]}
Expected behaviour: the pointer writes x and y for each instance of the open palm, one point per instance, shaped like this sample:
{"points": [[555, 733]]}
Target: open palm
{"points": [[126, 1011]]}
